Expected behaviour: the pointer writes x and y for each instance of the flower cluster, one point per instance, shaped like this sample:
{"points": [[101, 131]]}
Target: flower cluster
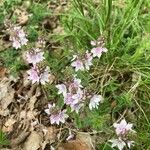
{"points": [[98, 47], [56, 116], [37, 73], [84, 62], [18, 37], [122, 130], [35, 56], [75, 96]]}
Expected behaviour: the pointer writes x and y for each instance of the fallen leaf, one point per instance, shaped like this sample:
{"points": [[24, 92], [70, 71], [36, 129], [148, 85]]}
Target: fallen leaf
{"points": [[50, 134], [6, 93], [83, 141], [32, 101], [2, 72], [87, 138], [33, 141], [19, 139], [74, 145], [8, 126]]}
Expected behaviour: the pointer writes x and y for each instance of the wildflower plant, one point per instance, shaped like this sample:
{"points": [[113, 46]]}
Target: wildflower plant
{"points": [[122, 129], [101, 68]]}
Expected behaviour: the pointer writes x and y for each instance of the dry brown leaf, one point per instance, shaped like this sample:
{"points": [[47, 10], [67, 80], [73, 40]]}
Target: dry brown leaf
{"points": [[19, 139], [6, 93], [32, 101], [83, 142], [7, 99], [4, 112], [33, 141], [8, 126], [87, 138], [50, 134], [74, 145], [31, 115], [2, 72]]}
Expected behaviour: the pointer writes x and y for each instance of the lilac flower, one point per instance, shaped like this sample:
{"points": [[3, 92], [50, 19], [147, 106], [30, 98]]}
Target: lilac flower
{"points": [[98, 47], [95, 100], [123, 127], [36, 75], [97, 51], [82, 63], [50, 108], [35, 56], [68, 100], [58, 117], [77, 63], [18, 37], [62, 89], [75, 85], [33, 75], [16, 44], [120, 144], [44, 76], [88, 60], [78, 95], [76, 107], [72, 93]]}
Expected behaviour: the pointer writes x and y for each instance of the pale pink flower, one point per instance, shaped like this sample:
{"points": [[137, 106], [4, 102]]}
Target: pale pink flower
{"points": [[50, 108], [94, 101], [44, 76], [16, 44], [73, 99], [58, 117], [76, 107], [123, 127], [33, 75], [78, 95], [88, 60], [68, 100], [75, 85], [97, 51], [35, 56], [78, 65], [23, 40], [120, 144], [18, 37], [62, 89], [82, 63]]}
